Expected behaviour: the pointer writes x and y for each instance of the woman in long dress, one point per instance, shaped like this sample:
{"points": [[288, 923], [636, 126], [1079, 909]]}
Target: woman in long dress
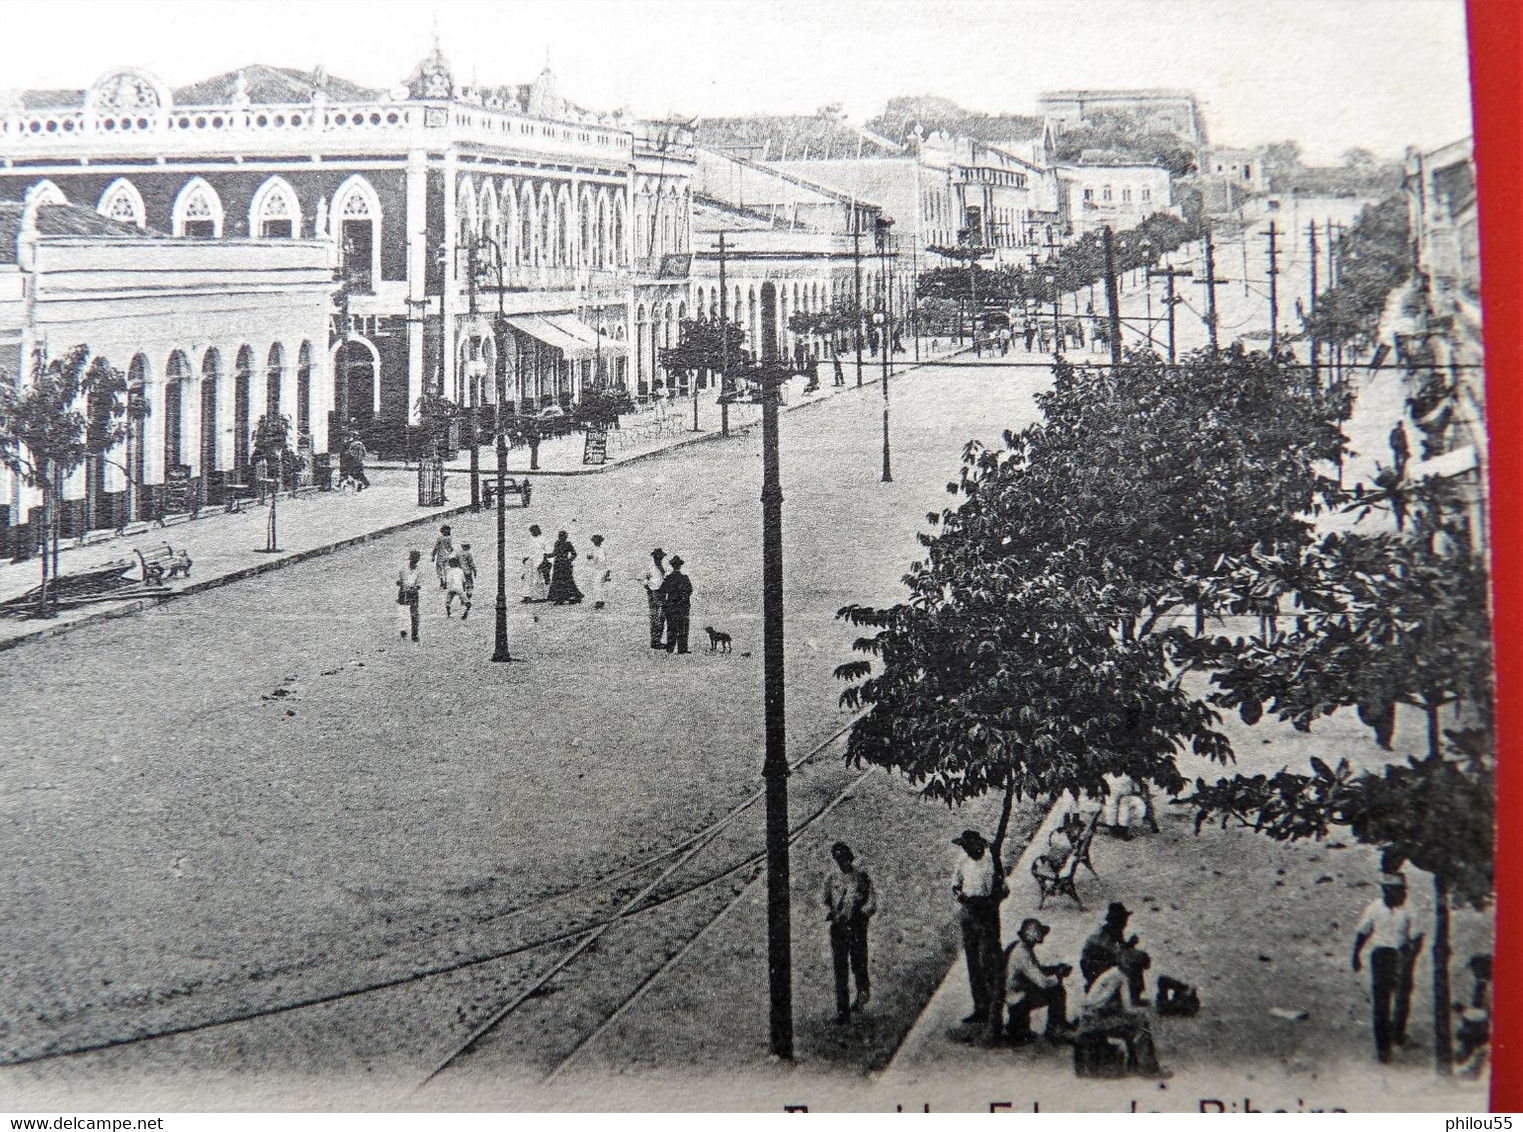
{"points": [[563, 589], [598, 573]]}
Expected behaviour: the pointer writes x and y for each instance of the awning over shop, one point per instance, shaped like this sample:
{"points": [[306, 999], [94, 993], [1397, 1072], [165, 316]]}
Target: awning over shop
{"points": [[566, 333]]}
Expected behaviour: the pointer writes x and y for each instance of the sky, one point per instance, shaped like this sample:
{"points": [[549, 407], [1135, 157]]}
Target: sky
{"points": [[1382, 74]]}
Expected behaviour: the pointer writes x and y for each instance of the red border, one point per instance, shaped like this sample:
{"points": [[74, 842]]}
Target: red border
{"points": [[1495, 59]]}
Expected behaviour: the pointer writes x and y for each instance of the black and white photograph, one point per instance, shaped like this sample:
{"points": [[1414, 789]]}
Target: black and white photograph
{"points": [[861, 555]]}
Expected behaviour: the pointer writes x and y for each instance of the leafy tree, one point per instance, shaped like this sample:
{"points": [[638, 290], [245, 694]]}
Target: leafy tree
{"points": [[1359, 158], [841, 318], [1122, 134], [73, 408], [704, 344], [1382, 619], [1374, 258], [435, 414], [1040, 647]]}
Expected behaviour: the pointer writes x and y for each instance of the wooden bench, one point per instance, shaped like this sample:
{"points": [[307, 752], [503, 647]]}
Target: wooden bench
{"points": [[1059, 881], [161, 563], [510, 486]]}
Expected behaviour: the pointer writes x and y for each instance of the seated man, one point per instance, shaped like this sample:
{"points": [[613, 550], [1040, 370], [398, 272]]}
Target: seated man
{"points": [[1033, 986], [1104, 1015], [1473, 1037], [1126, 805], [1108, 947]]}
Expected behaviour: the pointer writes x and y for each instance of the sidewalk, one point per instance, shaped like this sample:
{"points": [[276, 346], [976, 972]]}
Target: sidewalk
{"points": [[1258, 926], [228, 547]]}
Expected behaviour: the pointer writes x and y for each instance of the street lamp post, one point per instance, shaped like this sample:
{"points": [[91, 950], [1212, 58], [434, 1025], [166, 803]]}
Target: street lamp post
{"points": [[885, 320], [500, 653], [775, 763]]}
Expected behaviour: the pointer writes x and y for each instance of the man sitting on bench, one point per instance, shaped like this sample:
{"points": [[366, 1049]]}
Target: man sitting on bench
{"points": [[1104, 1015], [1034, 986]]}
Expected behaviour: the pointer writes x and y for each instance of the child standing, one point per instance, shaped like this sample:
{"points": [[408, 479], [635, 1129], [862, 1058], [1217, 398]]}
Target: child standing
{"points": [[468, 564], [444, 550], [454, 586]]}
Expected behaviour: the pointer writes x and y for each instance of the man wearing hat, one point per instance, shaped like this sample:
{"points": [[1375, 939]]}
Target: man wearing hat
{"points": [[977, 888], [655, 574], [676, 595], [849, 902], [1389, 930], [1110, 947], [1033, 985]]}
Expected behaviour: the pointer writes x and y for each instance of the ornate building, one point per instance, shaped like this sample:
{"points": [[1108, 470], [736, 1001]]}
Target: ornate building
{"points": [[211, 335], [447, 205]]}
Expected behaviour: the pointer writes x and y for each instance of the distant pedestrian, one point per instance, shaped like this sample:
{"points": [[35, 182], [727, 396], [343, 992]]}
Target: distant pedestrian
{"points": [[468, 566], [408, 596], [444, 550], [1030, 332], [849, 903], [976, 887], [536, 575], [352, 464], [835, 365], [454, 588], [563, 589], [599, 574], [1388, 928], [1400, 450], [655, 575], [676, 604]]}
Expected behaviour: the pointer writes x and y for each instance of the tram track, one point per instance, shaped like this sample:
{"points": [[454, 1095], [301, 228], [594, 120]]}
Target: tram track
{"points": [[581, 931]]}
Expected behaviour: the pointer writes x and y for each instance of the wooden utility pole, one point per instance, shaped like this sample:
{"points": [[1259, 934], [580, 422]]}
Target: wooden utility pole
{"points": [[724, 344], [1112, 299], [1274, 291], [856, 260], [1211, 282], [1171, 300], [1311, 236]]}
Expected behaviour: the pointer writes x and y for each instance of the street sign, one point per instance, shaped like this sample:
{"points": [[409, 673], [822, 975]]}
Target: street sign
{"points": [[595, 449]]}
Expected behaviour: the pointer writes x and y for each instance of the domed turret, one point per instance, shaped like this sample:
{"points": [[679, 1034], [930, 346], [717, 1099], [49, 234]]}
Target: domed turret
{"points": [[432, 78]]}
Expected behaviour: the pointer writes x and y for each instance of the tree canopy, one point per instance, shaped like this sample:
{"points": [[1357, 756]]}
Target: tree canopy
{"points": [[1041, 646]]}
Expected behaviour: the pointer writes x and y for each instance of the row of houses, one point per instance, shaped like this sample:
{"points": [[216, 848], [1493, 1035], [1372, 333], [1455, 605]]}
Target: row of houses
{"points": [[279, 241]]}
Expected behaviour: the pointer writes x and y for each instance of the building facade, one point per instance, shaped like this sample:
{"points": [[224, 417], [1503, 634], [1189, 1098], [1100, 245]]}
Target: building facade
{"points": [[1170, 111], [210, 335], [1118, 195], [468, 222]]}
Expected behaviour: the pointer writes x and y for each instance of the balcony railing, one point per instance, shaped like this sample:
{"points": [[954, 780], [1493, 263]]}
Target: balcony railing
{"points": [[75, 128]]}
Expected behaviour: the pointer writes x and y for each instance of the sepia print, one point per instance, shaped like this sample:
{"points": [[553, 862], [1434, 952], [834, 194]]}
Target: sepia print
{"points": [[883, 555]]}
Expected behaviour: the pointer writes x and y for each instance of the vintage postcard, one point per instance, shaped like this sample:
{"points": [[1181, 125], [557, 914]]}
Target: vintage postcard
{"points": [[878, 555]]}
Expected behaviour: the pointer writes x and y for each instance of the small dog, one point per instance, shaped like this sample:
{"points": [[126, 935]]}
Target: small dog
{"points": [[718, 642]]}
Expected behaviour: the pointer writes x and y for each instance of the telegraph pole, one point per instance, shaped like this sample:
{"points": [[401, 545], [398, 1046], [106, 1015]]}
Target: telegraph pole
{"points": [[1170, 300], [1112, 299], [724, 345], [1274, 291], [856, 260], [1311, 236], [885, 338], [1211, 282], [470, 267]]}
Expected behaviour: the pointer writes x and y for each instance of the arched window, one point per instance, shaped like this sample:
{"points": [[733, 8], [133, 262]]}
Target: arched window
{"points": [[524, 253], [616, 254], [466, 226], [123, 203], [211, 377], [137, 389], [605, 259], [304, 390], [544, 233], [197, 211], [179, 369], [563, 228], [354, 224], [641, 361], [275, 213], [588, 249], [242, 380], [274, 377]]}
